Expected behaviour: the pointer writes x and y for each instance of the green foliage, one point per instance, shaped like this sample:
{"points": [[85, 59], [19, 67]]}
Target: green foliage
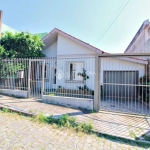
{"points": [[18, 45], [2, 51], [83, 88], [84, 75], [132, 134], [145, 90], [5, 110], [21, 45], [52, 94], [83, 127], [10, 69], [59, 86], [40, 118], [64, 121], [146, 137]]}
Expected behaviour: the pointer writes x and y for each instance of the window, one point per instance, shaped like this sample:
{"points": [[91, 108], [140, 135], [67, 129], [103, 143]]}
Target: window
{"points": [[74, 68], [54, 71], [40, 71]]}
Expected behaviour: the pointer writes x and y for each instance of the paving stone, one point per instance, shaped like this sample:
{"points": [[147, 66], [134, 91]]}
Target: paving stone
{"points": [[20, 132]]}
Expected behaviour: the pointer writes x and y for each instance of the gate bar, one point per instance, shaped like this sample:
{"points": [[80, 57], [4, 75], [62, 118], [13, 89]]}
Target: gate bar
{"points": [[43, 72], [29, 73]]}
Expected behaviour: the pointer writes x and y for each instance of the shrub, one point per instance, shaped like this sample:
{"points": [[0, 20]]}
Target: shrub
{"points": [[5, 110], [40, 118], [64, 121], [145, 90], [83, 127]]}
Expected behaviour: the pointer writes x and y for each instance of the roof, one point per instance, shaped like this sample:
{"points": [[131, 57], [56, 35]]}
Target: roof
{"points": [[7, 28], [55, 30], [41, 35], [145, 23]]}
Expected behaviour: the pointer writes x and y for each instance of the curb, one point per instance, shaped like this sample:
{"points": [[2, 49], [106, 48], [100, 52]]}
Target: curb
{"points": [[16, 110]]}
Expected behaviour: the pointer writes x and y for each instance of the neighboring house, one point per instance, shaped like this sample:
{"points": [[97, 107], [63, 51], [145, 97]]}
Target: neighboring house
{"points": [[7, 28], [41, 35], [71, 55], [141, 41]]}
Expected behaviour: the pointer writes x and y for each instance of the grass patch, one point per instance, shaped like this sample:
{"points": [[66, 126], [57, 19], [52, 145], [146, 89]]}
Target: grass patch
{"points": [[64, 121], [5, 110], [52, 94], [132, 134]]}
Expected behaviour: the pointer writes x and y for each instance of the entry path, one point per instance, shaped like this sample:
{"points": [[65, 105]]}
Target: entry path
{"points": [[115, 124]]}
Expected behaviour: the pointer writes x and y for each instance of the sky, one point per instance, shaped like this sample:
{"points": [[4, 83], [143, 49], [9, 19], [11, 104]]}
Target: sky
{"points": [[106, 24]]}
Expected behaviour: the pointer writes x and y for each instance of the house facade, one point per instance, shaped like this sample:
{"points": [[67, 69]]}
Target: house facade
{"points": [[68, 56]]}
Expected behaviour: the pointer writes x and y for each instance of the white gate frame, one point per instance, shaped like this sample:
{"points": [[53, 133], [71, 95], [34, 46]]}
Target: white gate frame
{"points": [[97, 97], [29, 73]]}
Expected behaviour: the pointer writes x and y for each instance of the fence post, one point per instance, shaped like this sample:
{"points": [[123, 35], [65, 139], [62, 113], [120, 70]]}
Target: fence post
{"points": [[29, 73], [97, 84]]}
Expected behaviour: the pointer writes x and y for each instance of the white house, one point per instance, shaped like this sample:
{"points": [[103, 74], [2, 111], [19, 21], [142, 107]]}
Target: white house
{"points": [[67, 56]]}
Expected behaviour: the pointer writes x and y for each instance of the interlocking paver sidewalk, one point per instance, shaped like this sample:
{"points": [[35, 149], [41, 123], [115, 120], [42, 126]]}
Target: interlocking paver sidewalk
{"points": [[110, 123], [20, 133]]}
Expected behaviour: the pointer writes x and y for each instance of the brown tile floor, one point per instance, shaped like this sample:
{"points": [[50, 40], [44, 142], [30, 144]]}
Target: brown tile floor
{"points": [[110, 123]]}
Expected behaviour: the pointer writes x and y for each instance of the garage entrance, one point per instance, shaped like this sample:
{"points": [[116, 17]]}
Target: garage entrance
{"points": [[120, 84], [124, 84]]}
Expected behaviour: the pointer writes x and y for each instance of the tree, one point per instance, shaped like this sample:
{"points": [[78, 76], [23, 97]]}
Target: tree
{"points": [[18, 45], [145, 89], [21, 45], [2, 52]]}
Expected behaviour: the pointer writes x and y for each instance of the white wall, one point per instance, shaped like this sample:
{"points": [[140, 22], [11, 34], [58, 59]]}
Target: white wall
{"points": [[51, 51], [66, 46], [88, 65], [113, 64], [142, 43], [18, 93], [69, 101], [107, 64]]}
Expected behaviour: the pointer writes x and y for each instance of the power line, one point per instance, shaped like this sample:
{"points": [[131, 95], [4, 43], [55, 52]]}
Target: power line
{"points": [[112, 23]]}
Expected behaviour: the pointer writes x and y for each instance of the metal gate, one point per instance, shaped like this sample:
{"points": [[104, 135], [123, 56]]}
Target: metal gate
{"points": [[122, 83], [116, 83], [36, 78]]}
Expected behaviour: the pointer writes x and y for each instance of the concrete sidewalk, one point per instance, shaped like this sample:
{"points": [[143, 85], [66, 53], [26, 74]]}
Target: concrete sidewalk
{"points": [[115, 124]]}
